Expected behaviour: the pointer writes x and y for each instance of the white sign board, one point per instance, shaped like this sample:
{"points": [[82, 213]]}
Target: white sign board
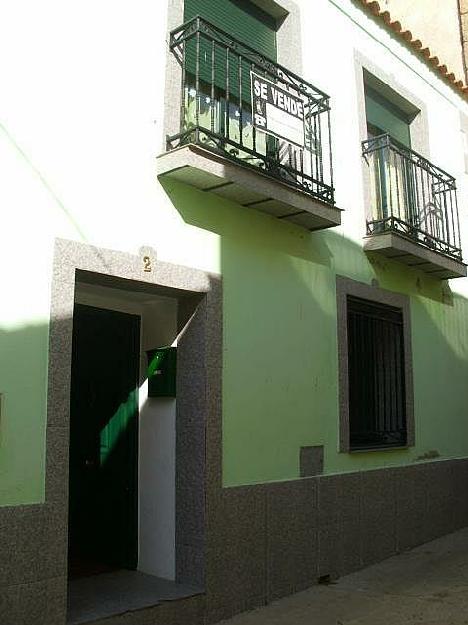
{"points": [[276, 111]]}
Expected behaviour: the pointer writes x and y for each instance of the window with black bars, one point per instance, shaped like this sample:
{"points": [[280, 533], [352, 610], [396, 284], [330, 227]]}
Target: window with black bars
{"points": [[376, 370]]}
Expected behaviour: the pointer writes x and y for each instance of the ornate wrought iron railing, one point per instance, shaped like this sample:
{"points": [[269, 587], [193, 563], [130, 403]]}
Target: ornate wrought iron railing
{"points": [[216, 110], [412, 197]]}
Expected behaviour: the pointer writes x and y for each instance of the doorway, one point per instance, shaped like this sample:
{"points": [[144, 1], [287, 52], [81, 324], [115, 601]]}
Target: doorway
{"points": [[103, 487]]}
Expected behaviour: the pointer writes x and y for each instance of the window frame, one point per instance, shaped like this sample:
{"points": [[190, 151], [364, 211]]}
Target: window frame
{"points": [[369, 74], [346, 287], [288, 53]]}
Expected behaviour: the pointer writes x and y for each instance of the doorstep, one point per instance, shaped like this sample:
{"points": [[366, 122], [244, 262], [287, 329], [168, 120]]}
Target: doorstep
{"points": [[91, 599]]}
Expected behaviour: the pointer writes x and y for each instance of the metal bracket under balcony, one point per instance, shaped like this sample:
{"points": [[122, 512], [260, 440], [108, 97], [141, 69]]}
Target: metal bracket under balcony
{"points": [[414, 210], [212, 173], [234, 140]]}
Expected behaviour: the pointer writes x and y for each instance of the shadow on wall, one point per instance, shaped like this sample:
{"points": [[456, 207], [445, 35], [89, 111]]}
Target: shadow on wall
{"points": [[280, 386]]}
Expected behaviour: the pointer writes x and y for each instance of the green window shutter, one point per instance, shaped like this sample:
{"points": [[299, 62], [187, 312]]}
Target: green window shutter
{"points": [[243, 20], [386, 117], [248, 24]]}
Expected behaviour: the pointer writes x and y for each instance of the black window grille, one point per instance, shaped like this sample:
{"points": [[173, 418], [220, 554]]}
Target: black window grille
{"points": [[376, 370]]}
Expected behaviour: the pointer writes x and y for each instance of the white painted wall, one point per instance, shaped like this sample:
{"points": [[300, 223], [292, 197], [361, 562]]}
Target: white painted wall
{"points": [[157, 487], [81, 124], [157, 459], [157, 427]]}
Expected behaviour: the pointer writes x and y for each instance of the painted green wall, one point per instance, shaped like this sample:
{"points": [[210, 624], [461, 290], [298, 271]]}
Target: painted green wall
{"points": [[94, 180], [280, 387], [23, 366]]}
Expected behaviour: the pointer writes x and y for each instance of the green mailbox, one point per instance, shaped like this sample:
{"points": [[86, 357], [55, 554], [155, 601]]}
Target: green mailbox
{"points": [[162, 367]]}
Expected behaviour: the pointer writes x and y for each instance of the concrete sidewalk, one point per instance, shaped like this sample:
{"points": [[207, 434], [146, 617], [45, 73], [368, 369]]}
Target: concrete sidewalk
{"points": [[425, 586]]}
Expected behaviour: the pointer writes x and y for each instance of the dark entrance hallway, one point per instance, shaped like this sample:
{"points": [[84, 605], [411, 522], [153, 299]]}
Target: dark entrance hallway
{"points": [[103, 496]]}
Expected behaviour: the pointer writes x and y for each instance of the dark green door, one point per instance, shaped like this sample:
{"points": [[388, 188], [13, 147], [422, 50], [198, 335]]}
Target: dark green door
{"points": [[103, 440]]}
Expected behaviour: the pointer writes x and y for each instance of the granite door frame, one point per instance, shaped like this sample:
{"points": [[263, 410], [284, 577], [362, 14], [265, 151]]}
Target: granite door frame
{"points": [[198, 418]]}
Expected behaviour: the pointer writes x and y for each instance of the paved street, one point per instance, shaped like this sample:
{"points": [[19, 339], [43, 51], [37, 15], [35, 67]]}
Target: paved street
{"points": [[425, 586]]}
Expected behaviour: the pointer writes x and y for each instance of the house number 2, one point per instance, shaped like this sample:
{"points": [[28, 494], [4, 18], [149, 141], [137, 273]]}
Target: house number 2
{"points": [[147, 264]]}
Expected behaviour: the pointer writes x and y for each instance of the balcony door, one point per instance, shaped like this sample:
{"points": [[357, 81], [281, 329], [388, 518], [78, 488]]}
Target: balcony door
{"points": [[217, 98], [395, 182]]}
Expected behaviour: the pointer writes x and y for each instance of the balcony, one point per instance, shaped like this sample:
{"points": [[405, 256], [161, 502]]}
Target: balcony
{"points": [[220, 146], [414, 214]]}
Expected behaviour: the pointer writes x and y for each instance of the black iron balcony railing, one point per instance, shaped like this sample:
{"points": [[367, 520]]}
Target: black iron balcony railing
{"points": [[216, 110], [412, 197]]}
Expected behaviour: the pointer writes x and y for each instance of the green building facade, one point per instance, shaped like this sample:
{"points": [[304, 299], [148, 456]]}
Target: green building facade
{"points": [[295, 262]]}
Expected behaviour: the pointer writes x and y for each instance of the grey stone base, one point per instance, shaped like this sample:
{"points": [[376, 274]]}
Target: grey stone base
{"points": [[263, 542], [272, 540], [32, 560]]}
